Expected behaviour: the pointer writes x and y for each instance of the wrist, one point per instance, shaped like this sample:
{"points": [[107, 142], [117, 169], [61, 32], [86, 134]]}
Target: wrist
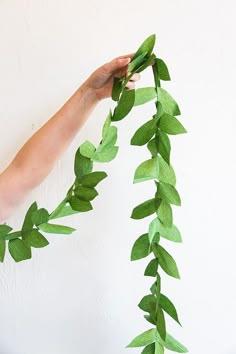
{"points": [[89, 94]]}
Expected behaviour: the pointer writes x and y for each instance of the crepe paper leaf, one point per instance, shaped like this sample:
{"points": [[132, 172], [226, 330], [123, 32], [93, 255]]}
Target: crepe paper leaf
{"points": [[40, 216], [28, 223], [169, 193], [150, 319], [143, 339], [144, 95], [110, 138], [141, 248], [106, 154], [106, 125], [117, 87], [166, 172], [169, 105], [168, 307], [151, 269], [124, 105], [172, 344], [166, 261], [35, 239], [146, 46], [148, 303], [161, 323], [158, 287], [85, 193], [92, 179], [66, 210], [13, 235], [19, 250], [164, 146], [149, 349], [2, 250], [153, 229], [159, 349], [171, 125], [144, 133], [170, 233], [80, 205], [144, 209], [156, 75], [147, 62], [87, 149], [82, 165], [134, 64], [4, 229], [56, 229], [163, 70], [165, 214], [147, 170], [153, 147]]}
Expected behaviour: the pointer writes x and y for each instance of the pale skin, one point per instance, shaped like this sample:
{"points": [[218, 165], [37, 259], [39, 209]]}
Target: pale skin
{"points": [[38, 155]]}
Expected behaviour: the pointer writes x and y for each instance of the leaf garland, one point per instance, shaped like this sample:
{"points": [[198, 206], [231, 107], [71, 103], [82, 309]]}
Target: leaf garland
{"points": [[80, 196]]}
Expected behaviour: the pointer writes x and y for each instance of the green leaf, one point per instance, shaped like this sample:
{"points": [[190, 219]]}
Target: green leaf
{"points": [[87, 149], [151, 269], [148, 303], [143, 339], [141, 248], [149, 349], [105, 154], [146, 46], [19, 250], [56, 229], [14, 235], [106, 125], [165, 214], [134, 64], [86, 193], [152, 229], [93, 178], [124, 105], [4, 229], [169, 193], [144, 209], [168, 307], [82, 165], [170, 233], [116, 89], [162, 70], [80, 205], [147, 63], [40, 216], [147, 170], [166, 172], [166, 261], [62, 211], [28, 223], [169, 105], [110, 138], [156, 75], [144, 95], [144, 133], [159, 349], [150, 319], [172, 344], [171, 125], [164, 146], [152, 147], [35, 239], [2, 250], [161, 324]]}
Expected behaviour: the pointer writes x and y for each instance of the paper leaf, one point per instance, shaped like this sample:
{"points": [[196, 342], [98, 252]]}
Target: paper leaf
{"points": [[143, 339], [169, 193], [141, 248], [134, 64], [35, 239], [116, 89], [106, 154], [82, 165], [165, 214], [147, 63], [161, 324], [92, 179], [106, 125], [149, 349], [159, 349], [151, 269], [124, 105], [146, 46], [168, 307], [144, 133], [85, 193], [166, 261], [172, 344], [144, 209], [28, 223], [2, 250], [87, 149], [144, 95], [62, 211], [110, 138], [147, 170], [162, 70], [169, 105], [80, 205], [164, 146], [148, 303], [4, 229], [56, 229], [40, 216], [166, 172], [152, 147], [19, 250], [171, 125]]}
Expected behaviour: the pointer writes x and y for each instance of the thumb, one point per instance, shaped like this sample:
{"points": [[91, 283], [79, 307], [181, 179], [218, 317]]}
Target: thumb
{"points": [[117, 64]]}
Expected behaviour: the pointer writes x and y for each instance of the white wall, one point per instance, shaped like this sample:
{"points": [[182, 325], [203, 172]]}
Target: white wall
{"points": [[80, 294]]}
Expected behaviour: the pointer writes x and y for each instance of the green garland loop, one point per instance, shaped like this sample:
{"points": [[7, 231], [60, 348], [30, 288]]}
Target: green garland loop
{"points": [[155, 135]]}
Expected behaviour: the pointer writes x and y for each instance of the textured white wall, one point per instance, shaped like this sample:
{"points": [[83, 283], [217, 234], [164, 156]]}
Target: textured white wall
{"points": [[80, 294]]}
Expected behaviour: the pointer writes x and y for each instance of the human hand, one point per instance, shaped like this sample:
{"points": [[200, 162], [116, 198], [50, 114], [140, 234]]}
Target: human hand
{"points": [[101, 80]]}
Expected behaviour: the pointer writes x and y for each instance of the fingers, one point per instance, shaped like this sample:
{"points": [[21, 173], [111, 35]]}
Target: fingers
{"points": [[116, 64], [135, 76], [131, 84]]}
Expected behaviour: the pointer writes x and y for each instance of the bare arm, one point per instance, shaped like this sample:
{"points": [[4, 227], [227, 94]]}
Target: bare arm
{"points": [[38, 155]]}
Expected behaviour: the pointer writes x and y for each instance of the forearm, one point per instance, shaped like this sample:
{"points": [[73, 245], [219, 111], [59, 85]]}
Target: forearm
{"points": [[38, 155]]}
